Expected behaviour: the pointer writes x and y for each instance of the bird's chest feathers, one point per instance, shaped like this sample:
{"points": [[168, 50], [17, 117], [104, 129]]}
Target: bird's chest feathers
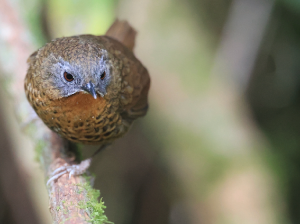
{"points": [[81, 118], [80, 106], [81, 102]]}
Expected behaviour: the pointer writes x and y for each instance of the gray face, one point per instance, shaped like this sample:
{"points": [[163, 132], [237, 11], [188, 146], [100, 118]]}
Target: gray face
{"points": [[91, 75]]}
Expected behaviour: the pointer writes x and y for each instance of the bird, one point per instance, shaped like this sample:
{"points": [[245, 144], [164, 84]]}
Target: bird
{"points": [[89, 89]]}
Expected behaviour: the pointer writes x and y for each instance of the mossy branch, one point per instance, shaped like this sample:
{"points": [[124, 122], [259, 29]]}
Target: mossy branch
{"points": [[71, 200]]}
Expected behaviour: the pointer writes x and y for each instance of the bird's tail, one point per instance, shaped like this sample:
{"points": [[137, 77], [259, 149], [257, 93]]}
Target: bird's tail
{"points": [[123, 32]]}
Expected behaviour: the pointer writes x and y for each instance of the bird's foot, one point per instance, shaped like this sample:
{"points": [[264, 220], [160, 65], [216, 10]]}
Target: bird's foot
{"points": [[78, 169]]}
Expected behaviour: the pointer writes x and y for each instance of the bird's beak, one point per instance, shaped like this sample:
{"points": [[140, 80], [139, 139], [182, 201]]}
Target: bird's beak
{"points": [[90, 88]]}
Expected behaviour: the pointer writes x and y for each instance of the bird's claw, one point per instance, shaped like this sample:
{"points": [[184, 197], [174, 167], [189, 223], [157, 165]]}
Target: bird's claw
{"points": [[71, 169]]}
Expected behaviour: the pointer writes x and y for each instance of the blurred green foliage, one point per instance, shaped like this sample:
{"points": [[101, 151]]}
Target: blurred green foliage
{"points": [[73, 17]]}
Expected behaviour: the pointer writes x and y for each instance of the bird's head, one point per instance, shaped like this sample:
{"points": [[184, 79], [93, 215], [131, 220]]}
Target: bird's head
{"points": [[70, 66]]}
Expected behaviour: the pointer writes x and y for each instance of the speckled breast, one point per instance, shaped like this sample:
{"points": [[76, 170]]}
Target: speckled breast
{"points": [[81, 118]]}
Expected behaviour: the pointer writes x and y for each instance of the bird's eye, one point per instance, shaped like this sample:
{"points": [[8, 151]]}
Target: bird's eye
{"points": [[102, 76], [68, 77]]}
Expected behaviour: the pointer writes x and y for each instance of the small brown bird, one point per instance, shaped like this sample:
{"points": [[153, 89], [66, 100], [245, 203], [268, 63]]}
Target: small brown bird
{"points": [[89, 89]]}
